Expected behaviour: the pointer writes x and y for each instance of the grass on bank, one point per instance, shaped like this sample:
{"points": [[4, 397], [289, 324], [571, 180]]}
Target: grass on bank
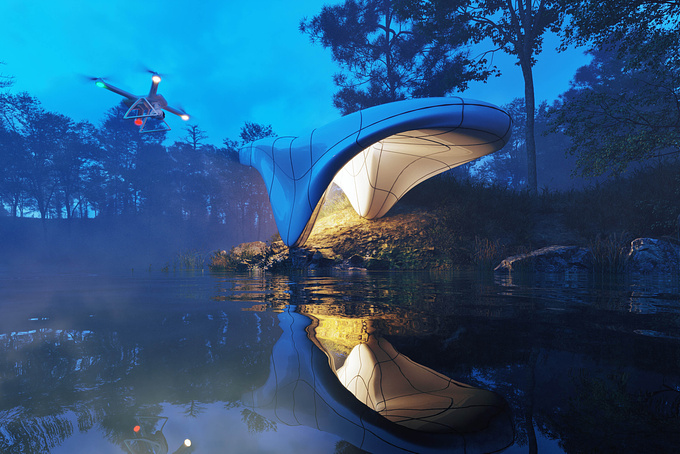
{"points": [[481, 223], [472, 223]]}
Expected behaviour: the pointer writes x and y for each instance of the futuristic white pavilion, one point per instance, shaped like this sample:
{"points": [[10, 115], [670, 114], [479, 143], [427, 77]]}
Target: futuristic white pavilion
{"points": [[375, 155]]}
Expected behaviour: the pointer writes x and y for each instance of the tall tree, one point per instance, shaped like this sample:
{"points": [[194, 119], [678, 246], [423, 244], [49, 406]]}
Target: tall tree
{"points": [[41, 142], [623, 107], [516, 27], [254, 131], [617, 114], [121, 143], [78, 146], [195, 137], [12, 170], [385, 57], [254, 207]]}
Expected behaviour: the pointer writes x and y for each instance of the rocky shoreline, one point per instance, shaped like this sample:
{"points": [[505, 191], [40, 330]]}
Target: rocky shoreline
{"points": [[417, 239], [646, 256]]}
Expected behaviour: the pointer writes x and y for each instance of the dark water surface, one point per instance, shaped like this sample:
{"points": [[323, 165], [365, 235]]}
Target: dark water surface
{"points": [[240, 363]]}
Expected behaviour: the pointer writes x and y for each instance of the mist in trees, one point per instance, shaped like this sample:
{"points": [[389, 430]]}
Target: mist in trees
{"points": [[555, 167], [622, 109], [129, 187], [616, 116]]}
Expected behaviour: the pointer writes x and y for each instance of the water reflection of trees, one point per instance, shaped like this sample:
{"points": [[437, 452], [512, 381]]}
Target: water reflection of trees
{"points": [[56, 381], [605, 413], [257, 423]]}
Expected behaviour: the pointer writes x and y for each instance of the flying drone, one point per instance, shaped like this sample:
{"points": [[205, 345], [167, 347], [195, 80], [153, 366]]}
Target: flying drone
{"points": [[143, 108]]}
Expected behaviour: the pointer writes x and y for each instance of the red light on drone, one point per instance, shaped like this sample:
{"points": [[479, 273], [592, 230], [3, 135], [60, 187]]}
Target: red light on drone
{"points": [[136, 428], [138, 122]]}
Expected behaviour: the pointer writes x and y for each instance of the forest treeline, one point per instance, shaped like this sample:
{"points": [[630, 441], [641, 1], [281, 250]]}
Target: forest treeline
{"points": [[620, 113], [57, 168]]}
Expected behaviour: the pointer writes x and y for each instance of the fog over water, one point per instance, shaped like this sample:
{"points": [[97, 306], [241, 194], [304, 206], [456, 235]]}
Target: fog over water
{"points": [[110, 244]]}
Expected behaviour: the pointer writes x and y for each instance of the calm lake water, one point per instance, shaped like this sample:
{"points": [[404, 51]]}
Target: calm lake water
{"points": [[249, 364]]}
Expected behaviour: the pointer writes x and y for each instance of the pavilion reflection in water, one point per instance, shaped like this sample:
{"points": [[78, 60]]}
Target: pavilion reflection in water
{"points": [[349, 381]]}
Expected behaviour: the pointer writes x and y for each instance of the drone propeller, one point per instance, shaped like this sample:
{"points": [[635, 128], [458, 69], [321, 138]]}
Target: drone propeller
{"points": [[89, 78], [152, 72]]}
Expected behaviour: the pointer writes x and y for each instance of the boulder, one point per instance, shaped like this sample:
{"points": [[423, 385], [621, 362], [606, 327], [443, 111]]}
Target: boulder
{"points": [[323, 259], [373, 263], [356, 261], [650, 255], [252, 249], [277, 262], [551, 259]]}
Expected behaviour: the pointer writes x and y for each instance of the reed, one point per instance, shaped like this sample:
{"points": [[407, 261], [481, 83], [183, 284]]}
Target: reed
{"points": [[189, 260], [486, 253], [610, 253]]}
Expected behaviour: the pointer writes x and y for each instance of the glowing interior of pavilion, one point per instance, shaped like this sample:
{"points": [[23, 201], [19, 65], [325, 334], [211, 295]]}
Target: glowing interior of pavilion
{"points": [[375, 156]]}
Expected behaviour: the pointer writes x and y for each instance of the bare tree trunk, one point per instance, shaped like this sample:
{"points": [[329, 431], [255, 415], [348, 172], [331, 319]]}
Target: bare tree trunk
{"points": [[530, 103]]}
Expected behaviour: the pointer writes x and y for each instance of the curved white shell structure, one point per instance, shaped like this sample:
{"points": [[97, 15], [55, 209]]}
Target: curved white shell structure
{"points": [[375, 155]]}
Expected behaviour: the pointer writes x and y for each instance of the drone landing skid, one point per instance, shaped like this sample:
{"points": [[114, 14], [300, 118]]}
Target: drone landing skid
{"points": [[143, 110], [155, 125]]}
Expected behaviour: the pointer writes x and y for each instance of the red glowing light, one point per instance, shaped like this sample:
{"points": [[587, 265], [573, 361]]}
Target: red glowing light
{"points": [[136, 428], [138, 122]]}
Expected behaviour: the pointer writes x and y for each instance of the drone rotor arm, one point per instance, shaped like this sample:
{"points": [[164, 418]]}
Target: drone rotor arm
{"points": [[116, 90], [180, 113], [155, 80]]}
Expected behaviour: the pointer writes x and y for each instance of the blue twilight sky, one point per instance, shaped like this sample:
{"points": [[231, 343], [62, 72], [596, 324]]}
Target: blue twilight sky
{"points": [[225, 62]]}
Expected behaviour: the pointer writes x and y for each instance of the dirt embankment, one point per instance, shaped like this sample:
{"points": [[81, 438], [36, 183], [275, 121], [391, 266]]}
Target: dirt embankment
{"points": [[406, 238]]}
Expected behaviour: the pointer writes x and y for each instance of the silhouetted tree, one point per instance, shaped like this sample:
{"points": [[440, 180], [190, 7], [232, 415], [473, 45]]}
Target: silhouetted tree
{"points": [[44, 136], [602, 24], [154, 178], [243, 195], [621, 103], [230, 149], [71, 161], [253, 131], [385, 57], [195, 137], [121, 145], [515, 27], [12, 171], [249, 132]]}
